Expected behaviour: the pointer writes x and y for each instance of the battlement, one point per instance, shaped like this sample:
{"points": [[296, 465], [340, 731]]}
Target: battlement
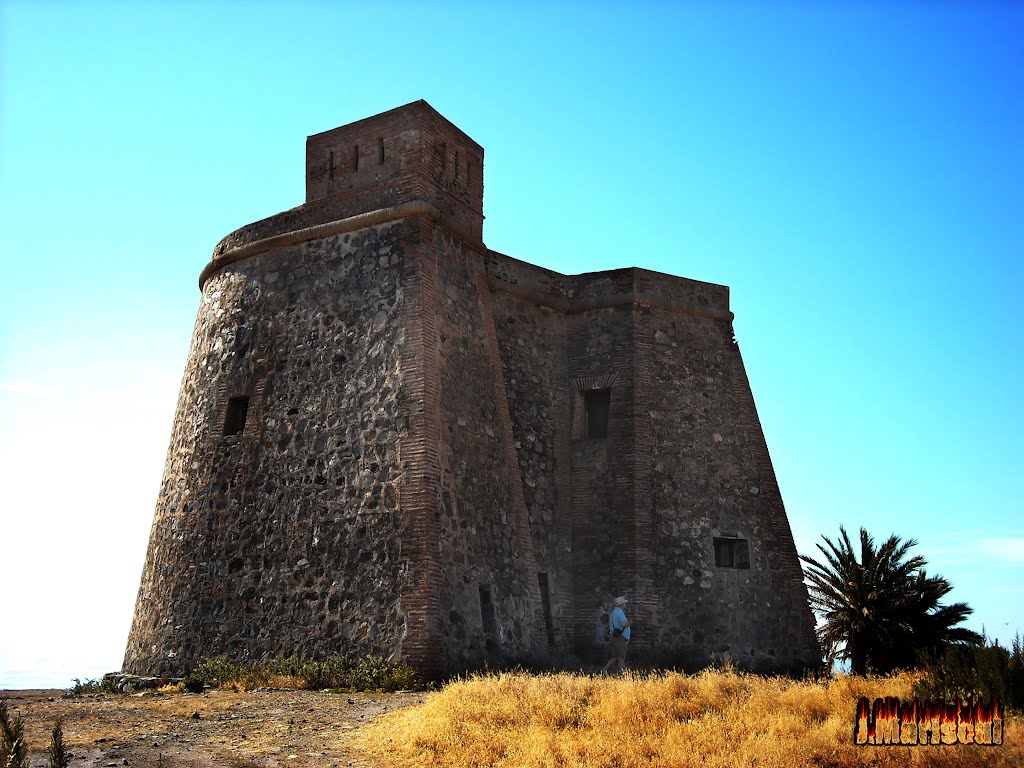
{"points": [[408, 153]]}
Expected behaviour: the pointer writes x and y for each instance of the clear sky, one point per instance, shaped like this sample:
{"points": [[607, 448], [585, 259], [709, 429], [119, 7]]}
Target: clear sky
{"points": [[854, 172]]}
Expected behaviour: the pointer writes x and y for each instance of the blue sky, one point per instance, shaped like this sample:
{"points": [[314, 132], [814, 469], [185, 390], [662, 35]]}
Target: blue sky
{"points": [[854, 172]]}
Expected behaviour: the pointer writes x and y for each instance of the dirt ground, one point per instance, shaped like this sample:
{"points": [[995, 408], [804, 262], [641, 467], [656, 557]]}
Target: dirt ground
{"points": [[220, 729]]}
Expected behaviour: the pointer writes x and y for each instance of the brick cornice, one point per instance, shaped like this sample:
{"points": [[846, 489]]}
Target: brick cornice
{"points": [[634, 299], [337, 227]]}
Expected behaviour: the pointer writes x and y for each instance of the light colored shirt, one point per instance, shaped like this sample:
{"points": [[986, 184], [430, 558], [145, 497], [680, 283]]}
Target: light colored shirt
{"points": [[617, 620]]}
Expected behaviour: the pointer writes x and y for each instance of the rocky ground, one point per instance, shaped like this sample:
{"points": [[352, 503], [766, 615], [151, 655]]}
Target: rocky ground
{"points": [[221, 729]]}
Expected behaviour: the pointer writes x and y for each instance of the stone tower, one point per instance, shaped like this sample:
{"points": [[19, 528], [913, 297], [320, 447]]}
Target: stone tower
{"points": [[393, 440]]}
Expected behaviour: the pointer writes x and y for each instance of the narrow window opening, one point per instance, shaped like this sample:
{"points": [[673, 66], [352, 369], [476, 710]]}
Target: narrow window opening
{"points": [[545, 599], [469, 174], [380, 151], [455, 173], [355, 158], [330, 167], [732, 553], [596, 405], [487, 616], [444, 156], [234, 420]]}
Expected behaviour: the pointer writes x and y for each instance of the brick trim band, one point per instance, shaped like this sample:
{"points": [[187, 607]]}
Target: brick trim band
{"points": [[637, 299], [605, 381], [330, 228]]}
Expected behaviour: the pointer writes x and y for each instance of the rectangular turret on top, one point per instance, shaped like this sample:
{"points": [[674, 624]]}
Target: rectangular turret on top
{"points": [[409, 153]]}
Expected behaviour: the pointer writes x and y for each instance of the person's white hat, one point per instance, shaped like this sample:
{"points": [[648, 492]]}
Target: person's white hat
{"points": [[621, 600]]}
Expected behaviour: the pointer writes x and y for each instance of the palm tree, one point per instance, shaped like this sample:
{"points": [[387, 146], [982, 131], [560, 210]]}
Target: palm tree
{"points": [[880, 609], [931, 626]]}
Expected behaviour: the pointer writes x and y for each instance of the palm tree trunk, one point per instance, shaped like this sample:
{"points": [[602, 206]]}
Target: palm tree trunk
{"points": [[858, 657]]}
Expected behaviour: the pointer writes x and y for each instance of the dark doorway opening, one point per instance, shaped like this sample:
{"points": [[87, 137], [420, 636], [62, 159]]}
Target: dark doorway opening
{"points": [[596, 405]]}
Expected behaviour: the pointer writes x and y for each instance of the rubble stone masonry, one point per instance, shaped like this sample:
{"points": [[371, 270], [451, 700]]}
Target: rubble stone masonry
{"points": [[393, 440]]}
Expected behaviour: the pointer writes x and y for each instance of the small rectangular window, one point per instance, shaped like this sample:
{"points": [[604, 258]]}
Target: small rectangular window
{"points": [[487, 611], [234, 420], [355, 158], [380, 149], [596, 405], [545, 599], [731, 553]]}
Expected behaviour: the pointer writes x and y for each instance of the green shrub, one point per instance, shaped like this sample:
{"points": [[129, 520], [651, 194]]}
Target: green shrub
{"points": [[13, 752], [193, 682], [375, 674], [90, 686], [337, 671], [977, 673], [333, 672], [58, 752]]}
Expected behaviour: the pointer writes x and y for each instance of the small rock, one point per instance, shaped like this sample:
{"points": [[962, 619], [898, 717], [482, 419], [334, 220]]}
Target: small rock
{"points": [[196, 716]]}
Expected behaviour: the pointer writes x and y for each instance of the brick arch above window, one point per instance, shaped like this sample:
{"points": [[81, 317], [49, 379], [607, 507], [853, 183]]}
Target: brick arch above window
{"points": [[599, 381]]}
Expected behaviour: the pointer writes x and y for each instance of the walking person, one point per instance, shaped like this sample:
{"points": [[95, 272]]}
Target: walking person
{"points": [[619, 632]]}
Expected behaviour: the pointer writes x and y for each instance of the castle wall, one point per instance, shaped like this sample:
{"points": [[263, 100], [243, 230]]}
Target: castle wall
{"points": [[290, 533], [600, 357], [532, 342], [647, 501], [707, 480], [489, 597], [387, 443], [704, 484]]}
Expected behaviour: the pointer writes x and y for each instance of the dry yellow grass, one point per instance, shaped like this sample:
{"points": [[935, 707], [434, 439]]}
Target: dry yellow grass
{"points": [[711, 719]]}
